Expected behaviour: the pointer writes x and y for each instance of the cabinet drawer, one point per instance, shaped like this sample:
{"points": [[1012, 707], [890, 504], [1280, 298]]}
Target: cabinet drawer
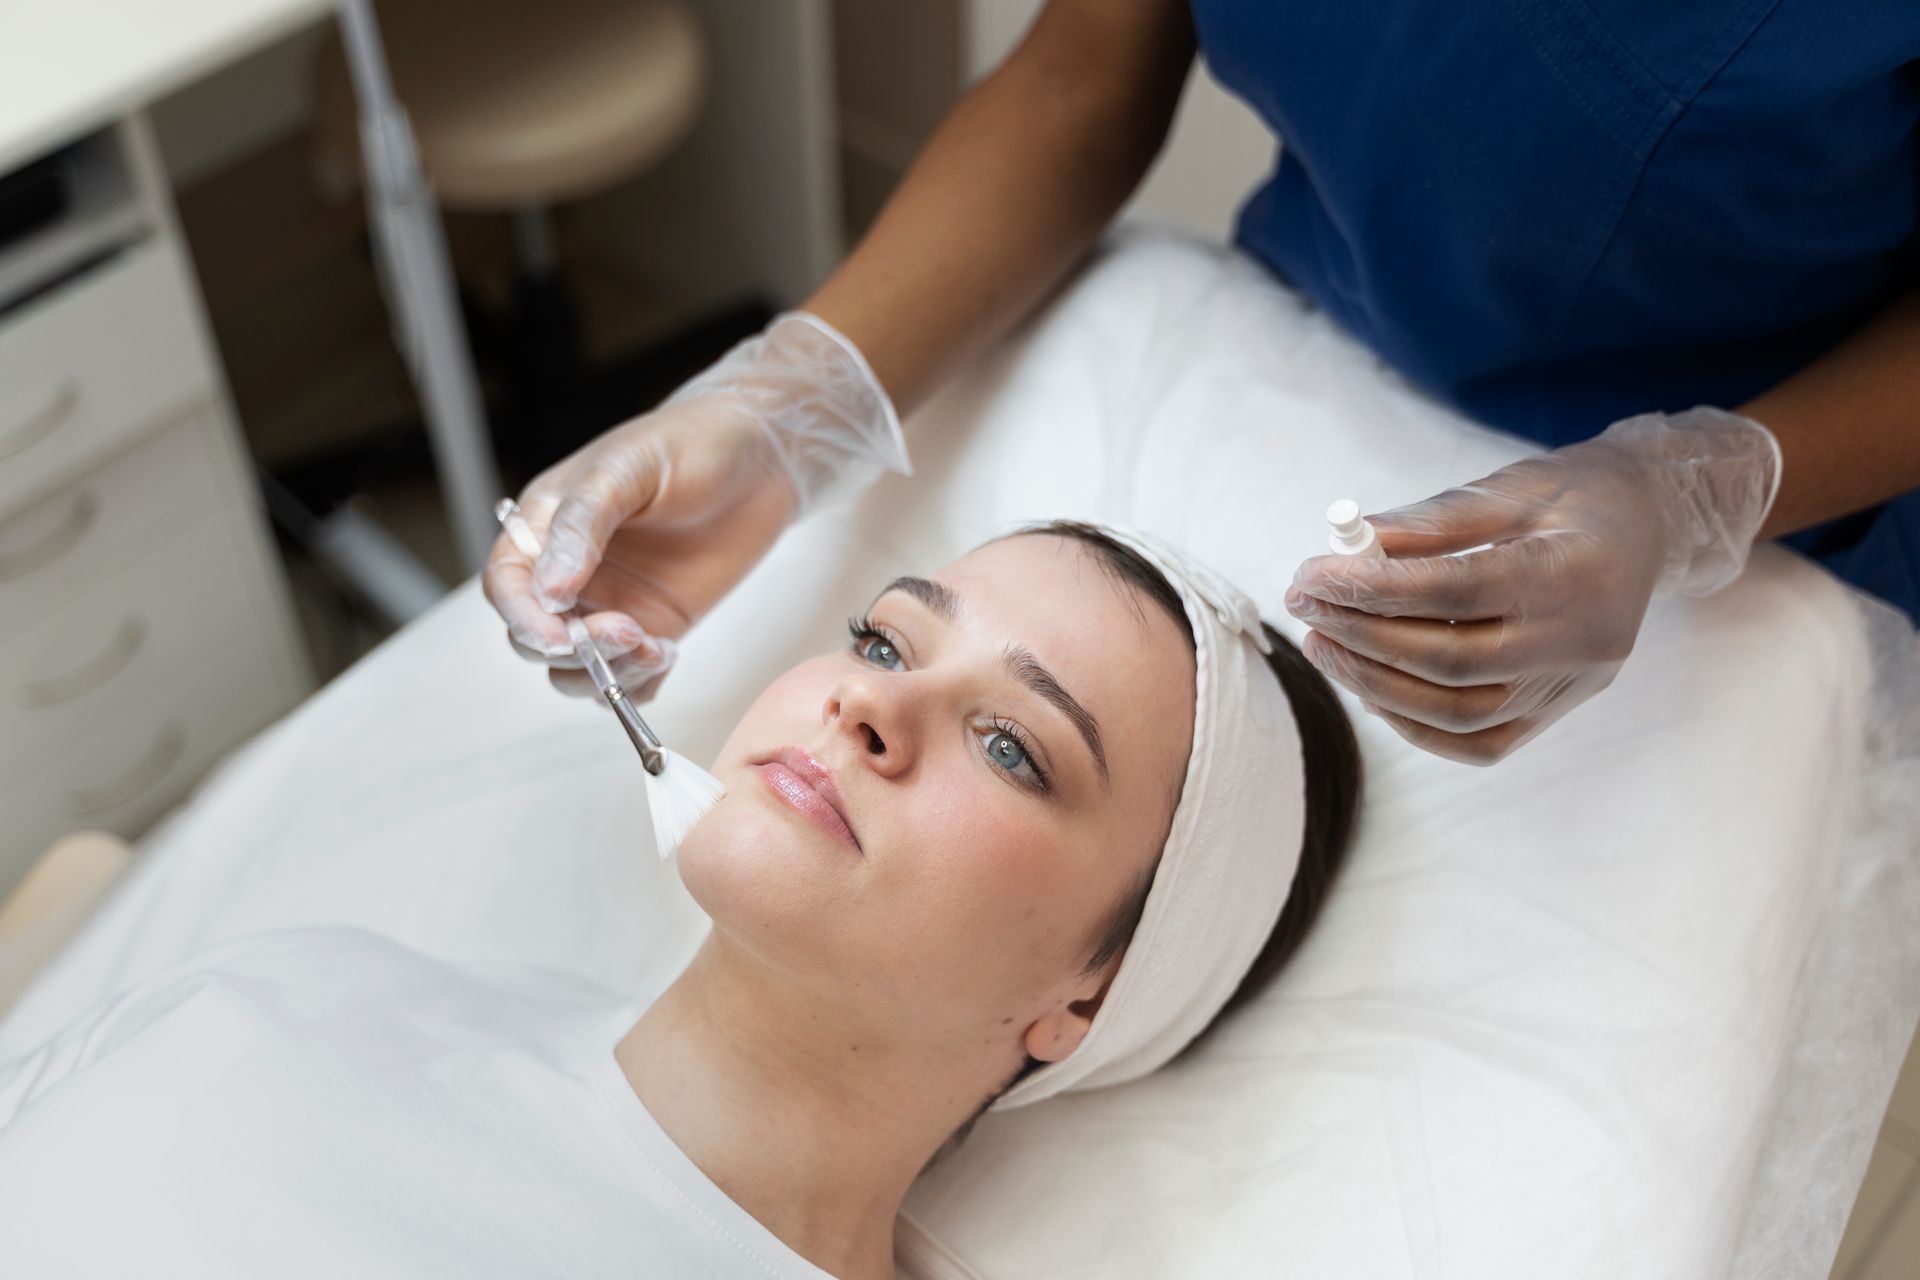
{"points": [[163, 740], [152, 624], [68, 543], [92, 363]]}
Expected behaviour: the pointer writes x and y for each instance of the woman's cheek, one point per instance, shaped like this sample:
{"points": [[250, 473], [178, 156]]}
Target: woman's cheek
{"points": [[786, 712], [981, 862]]}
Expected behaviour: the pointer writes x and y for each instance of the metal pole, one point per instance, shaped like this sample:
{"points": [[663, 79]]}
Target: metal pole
{"points": [[411, 250]]}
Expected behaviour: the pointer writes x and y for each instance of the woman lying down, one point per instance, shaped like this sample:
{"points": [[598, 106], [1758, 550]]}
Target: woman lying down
{"points": [[1053, 812]]}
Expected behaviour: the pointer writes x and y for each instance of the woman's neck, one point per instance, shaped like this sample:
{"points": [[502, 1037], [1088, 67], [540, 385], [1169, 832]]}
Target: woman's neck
{"points": [[813, 1128]]}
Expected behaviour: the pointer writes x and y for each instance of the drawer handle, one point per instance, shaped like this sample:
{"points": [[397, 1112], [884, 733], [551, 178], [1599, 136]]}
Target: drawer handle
{"points": [[60, 540], [145, 774], [94, 672], [41, 425]]}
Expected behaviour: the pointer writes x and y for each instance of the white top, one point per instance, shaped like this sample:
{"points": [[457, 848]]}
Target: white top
{"points": [[324, 1102]]}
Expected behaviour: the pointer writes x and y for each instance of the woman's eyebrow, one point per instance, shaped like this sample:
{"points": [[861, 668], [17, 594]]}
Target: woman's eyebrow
{"points": [[1026, 668], [936, 596], [942, 601]]}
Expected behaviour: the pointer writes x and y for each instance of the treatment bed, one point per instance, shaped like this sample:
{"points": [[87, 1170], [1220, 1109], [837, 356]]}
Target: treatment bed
{"points": [[1628, 1004]]}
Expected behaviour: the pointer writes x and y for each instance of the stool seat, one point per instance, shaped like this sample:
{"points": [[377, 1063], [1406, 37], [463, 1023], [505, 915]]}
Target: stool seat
{"points": [[516, 104]]}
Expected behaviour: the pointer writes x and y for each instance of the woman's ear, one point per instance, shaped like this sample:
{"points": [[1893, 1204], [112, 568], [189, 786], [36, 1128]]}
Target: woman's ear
{"points": [[1058, 1034]]}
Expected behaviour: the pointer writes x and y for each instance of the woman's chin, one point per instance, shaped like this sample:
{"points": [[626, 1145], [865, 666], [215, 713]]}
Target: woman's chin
{"points": [[756, 877]]}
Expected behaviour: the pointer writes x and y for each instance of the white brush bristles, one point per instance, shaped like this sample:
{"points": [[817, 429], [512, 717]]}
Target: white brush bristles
{"points": [[676, 798]]}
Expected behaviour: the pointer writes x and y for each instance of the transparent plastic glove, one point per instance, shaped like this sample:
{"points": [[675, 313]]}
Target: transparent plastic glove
{"points": [[646, 527], [1471, 656]]}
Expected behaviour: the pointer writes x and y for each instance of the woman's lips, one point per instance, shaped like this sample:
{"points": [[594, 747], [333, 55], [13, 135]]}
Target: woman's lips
{"points": [[807, 787]]}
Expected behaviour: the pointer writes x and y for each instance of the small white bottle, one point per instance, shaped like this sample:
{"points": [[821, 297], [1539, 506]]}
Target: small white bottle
{"points": [[1351, 535]]}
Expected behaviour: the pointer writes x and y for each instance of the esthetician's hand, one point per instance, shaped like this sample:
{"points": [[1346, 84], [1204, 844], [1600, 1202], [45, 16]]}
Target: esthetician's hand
{"points": [[648, 526], [1471, 656]]}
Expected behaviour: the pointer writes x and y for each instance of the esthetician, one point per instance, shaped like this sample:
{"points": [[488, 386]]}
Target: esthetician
{"points": [[1678, 243]]}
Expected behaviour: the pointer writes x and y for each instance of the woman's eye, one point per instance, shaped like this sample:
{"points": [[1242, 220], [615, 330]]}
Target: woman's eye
{"points": [[1007, 752], [881, 652], [872, 645]]}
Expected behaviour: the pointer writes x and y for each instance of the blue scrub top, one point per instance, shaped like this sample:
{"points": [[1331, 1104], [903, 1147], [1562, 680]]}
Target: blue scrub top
{"points": [[1552, 214]]}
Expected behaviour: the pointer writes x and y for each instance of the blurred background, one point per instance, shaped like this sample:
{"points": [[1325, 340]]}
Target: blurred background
{"points": [[223, 479], [769, 137]]}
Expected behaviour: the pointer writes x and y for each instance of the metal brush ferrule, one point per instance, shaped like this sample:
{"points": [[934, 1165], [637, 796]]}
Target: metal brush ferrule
{"points": [[642, 735]]}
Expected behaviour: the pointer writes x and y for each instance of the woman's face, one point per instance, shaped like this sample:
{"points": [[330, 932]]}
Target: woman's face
{"points": [[1005, 749]]}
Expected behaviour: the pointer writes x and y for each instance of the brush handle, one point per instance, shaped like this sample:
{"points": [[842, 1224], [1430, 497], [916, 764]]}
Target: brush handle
{"points": [[644, 740], [518, 531]]}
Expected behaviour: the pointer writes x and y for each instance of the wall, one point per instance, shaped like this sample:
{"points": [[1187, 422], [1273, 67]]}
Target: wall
{"points": [[1219, 150], [750, 202], [238, 111], [897, 71]]}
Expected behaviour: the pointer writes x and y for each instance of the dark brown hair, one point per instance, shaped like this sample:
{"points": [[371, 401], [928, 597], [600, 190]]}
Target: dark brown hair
{"points": [[1333, 779]]}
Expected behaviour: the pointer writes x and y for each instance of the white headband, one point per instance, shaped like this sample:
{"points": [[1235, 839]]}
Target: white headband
{"points": [[1230, 855]]}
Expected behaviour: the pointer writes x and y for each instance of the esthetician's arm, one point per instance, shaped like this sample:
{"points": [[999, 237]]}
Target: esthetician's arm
{"points": [[1013, 189], [1848, 424], [1471, 657], [647, 526]]}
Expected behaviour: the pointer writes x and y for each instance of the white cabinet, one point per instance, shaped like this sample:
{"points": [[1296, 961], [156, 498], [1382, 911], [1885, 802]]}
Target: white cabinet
{"points": [[145, 628], [86, 365]]}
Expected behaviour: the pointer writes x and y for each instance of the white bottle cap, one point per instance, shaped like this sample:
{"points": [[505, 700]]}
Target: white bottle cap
{"points": [[1352, 536]]}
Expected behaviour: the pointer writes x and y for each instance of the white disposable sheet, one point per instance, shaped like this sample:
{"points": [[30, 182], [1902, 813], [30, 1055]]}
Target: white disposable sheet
{"points": [[1628, 1004]]}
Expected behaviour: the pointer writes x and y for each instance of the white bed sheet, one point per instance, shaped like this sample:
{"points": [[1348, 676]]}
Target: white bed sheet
{"points": [[1556, 1018]]}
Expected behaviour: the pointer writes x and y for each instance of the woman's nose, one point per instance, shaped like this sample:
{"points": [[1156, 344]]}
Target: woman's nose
{"points": [[874, 713]]}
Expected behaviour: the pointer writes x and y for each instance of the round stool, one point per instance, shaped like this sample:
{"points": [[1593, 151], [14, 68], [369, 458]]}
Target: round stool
{"points": [[515, 107]]}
